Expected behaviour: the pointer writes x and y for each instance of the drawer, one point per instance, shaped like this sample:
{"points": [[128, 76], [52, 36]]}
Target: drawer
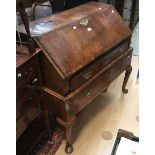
{"points": [[27, 77], [26, 86], [100, 84], [79, 79], [27, 71], [28, 116]]}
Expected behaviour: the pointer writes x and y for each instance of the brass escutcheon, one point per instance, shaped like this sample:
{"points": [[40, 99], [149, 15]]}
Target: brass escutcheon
{"points": [[87, 75], [84, 22]]}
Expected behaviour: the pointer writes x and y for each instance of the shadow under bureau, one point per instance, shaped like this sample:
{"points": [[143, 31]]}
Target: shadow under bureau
{"points": [[83, 50]]}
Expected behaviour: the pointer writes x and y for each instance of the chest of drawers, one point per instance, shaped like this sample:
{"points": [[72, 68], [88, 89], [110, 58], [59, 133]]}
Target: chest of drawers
{"points": [[28, 94], [83, 50]]}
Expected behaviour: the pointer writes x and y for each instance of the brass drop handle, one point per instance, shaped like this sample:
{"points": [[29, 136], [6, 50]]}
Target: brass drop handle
{"points": [[32, 83], [121, 49], [89, 93], [87, 75], [19, 75]]}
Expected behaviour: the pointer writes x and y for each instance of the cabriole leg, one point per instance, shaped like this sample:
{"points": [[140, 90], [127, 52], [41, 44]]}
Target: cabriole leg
{"points": [[69, 147], [68, 130], [127, 74]]}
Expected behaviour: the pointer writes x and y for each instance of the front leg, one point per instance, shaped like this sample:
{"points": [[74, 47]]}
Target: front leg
{"points": [[68, 130], [126, 78]]}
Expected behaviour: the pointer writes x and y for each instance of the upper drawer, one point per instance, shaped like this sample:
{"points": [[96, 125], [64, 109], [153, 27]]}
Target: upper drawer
{"points": [[93, 69], [27, 71], [27, 77]]}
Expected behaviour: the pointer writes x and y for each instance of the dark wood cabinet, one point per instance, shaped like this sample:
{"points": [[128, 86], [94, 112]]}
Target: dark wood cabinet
{"points": [[28, 92], [83, 50], [129, 10]]}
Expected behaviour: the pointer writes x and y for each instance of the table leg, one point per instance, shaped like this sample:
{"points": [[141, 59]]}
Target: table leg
{"points": [[68, 130], [126, 78]]}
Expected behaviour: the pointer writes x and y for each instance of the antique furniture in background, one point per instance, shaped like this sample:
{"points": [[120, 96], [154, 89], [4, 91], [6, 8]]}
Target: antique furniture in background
{"points": [[129, 10], [30, 5], [29, 109], [56, 6], [28, 78], [34, 136], [40, 3], [83, 50], [134, 14], [28, 92]]}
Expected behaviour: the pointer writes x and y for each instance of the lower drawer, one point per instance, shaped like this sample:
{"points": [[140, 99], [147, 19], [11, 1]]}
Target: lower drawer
{"points": [[100, 84]]}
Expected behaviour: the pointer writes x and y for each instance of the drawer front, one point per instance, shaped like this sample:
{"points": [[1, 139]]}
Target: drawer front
{"points": [[99, 85], [27, 86], [27, 77], [28, 70], [93, 69], [28, 116]]}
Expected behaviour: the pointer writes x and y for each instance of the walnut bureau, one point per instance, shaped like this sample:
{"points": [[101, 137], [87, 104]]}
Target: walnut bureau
{"points": [[83, 50]]}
